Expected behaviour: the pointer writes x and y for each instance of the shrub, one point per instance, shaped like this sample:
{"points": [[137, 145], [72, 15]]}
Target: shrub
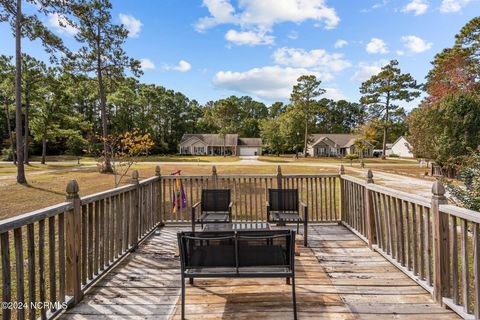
{"points": [[7, 154], [393, 155]]}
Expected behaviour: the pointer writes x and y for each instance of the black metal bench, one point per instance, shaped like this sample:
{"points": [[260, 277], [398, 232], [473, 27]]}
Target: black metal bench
{"points": [[238, 254]]}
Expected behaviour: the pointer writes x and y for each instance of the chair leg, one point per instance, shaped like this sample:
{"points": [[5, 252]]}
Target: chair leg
{"points": [[298, 227], [183, 298], [190, 280], [294, 299], [287, 281]]}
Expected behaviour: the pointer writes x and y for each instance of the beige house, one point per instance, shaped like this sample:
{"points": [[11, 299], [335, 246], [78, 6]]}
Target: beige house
{"points": [[214, 144], [336, 145]]}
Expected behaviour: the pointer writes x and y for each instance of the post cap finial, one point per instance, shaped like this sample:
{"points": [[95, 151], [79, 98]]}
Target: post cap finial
{"points": [[214, 170], [342, 169], [135, 175], [279, 170], [72, 188], [157, 171], [438, 189], [369, 176]]}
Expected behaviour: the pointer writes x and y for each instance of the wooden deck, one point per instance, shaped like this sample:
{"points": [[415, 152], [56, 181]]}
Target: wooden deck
{"points": [[337, 277]]}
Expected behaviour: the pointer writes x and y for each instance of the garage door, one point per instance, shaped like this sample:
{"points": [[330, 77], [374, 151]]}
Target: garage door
{"points": [[248, 151]]}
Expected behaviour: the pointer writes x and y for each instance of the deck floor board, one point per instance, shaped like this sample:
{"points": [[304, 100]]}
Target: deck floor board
{"points": [[337, 277]]}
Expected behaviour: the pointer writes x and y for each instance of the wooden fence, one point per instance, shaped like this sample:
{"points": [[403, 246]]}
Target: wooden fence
{"points": [[51, 256], [249, 194], [435, 244]]}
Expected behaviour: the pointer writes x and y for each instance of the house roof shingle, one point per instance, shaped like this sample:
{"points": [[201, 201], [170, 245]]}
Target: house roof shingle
{"points": [[213, 139], [344, 140], [250, 142]]}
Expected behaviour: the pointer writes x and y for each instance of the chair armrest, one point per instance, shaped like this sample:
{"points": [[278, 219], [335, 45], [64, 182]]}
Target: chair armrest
{"points": [[230, 205], [303, 205], [196, 205]]}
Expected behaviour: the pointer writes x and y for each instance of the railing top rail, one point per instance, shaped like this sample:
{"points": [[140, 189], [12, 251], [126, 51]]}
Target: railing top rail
{"points": [[460, 212], [107, 193], [148, 180], [231, 176], [34, 216], [354, 179], [413, 198]]}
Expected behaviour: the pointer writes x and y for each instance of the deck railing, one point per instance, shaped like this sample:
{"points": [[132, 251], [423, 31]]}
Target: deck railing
{"points": [[249, 194], [51, 256], [436, 244]]}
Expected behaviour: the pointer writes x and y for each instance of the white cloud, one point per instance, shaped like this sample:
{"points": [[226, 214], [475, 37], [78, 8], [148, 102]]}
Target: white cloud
{"points": [[365, 71], [147, 64], [340, 43], [317, 59], [417, 6], [416, 44], [134, 26], [377, 46], [271, 82], [448, 6], [260, 16], [182, 66], [293, 35], [400, 53], [248, 38], [334, 94], [60, 24], [265, 13]]}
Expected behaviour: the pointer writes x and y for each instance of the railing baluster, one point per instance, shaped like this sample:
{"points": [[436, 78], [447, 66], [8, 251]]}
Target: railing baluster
{"points": [[20, 275], [6, 274], [41, 266], [465, 266], [454, 257], [51, 263]]}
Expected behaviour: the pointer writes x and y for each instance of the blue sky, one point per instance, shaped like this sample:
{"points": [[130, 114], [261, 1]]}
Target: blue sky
{"points": [[211, 49]]}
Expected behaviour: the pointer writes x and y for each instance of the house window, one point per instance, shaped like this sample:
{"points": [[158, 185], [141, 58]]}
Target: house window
{"points": [[198, 150]]}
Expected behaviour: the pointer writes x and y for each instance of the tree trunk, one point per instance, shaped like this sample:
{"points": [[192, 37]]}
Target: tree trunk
{"points": [[25, 143], [18, 95], [44, 147], [385, 128], [103, 111], [306, 137], [10, 134]]}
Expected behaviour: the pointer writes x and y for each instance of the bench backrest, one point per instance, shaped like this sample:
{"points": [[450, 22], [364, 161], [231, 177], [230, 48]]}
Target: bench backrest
{"points": [[215, 200], [237, 249], [283, 200]]}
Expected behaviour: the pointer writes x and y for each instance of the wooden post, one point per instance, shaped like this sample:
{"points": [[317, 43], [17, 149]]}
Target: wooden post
{"points": [[441, 272], [135, 212], [160, 218], [279, 177], [342, 194], [73, 241], [369, 212], [214, 176]]}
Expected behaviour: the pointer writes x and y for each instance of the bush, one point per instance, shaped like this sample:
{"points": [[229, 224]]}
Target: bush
{"points": [[352, 156], [7, 154], [393, 155]]}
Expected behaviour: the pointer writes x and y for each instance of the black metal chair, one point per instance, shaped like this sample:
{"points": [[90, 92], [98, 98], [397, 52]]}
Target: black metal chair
{"points": [[237, 254], [283, 206], [215, 207]]}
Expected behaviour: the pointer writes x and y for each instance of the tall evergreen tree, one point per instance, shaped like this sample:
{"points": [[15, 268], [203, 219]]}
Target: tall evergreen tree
{"points": [[101, 53], [303, 95], [383, 89], [29, 26]]}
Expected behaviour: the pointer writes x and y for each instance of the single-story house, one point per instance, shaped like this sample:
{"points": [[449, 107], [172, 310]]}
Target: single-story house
{"points": [[336, 145], [214, 144], [400, 147]]}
